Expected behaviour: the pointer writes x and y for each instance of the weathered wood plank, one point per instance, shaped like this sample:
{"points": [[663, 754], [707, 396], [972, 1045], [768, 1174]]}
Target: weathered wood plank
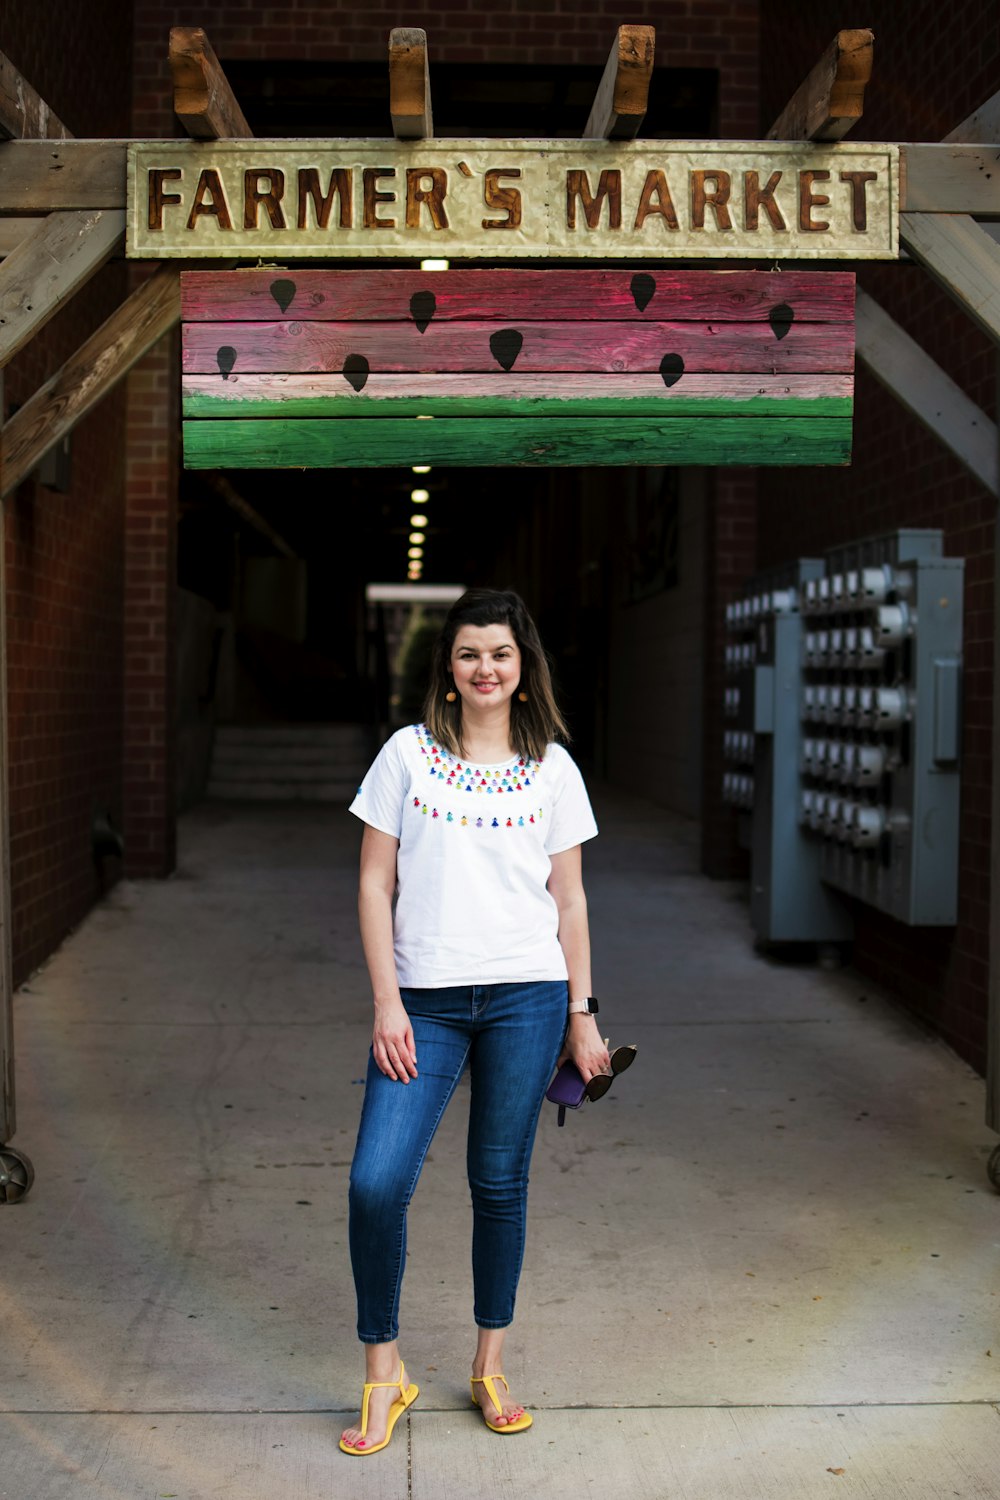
{"points": [[831, 99], [950, 179], [616, 347], [409, 84], [203, 99], [88, 376], [622, 96], [37, 177], [983, 125], [963, 258], [506, 295], [209, 396], [24, 114], [38, 277], [461, 443], [14, 232], [919, 384]]}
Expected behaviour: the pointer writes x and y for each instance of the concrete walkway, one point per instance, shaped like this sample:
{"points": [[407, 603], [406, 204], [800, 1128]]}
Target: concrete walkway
{"points": [[766, 1265]]}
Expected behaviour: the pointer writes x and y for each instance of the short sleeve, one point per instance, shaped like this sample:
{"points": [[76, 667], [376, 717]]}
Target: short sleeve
{"points": [[380, 797], [571, 820]]}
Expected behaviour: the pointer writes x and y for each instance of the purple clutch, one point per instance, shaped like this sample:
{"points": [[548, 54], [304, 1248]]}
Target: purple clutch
{"points": [[567, 1089]]}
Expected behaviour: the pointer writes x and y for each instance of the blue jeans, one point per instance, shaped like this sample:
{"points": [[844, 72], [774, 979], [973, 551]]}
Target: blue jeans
{"points": [[510, 1035]]}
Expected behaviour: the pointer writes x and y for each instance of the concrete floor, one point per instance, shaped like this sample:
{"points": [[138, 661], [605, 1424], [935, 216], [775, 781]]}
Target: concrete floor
{"points": [[764, 1266]]}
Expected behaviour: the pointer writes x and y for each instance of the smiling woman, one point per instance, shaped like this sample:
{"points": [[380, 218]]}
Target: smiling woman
{"points": [[478, 809]]}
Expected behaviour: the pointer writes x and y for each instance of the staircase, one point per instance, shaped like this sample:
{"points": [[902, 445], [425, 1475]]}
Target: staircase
{"points": [[289, 762]]}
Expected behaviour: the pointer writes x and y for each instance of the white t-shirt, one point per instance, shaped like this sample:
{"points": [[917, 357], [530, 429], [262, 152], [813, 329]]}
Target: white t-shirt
{"points": [[475, 847]]}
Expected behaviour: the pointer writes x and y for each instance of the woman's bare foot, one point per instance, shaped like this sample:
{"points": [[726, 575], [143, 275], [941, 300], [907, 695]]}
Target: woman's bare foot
{"points": [[382, 1362], [509, 1411]]}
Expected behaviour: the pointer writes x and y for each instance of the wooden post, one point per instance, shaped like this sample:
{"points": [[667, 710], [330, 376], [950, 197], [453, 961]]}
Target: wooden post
{"points": [[47, 268], [409, 84], [622, 96], [983, 125], [24, 114], [963, 258], [89, 375], [8, 1110], [831, 99], [919, 384], [203, 100]]}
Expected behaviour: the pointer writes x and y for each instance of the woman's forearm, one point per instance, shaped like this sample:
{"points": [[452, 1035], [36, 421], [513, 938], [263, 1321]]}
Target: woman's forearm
{"points": [[375, 916], [574, 939]]}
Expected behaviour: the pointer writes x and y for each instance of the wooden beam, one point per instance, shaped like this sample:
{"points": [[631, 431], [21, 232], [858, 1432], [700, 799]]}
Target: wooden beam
{"points": [[203, 100], [14, 232], [919, 384], [37, 177], [983, 125], [23, 113], [963, 258], [86, 378], [950, 179], [409, 84], [832, 98], [38, 277], [619, 106], [228, 492]]}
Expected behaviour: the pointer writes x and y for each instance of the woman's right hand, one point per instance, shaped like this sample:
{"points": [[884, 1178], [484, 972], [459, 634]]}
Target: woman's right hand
{"points": [[393, 1047]]}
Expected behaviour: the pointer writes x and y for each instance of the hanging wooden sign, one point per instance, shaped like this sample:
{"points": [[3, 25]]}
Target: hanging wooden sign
{"points": [[328, 369], [504, 200]]}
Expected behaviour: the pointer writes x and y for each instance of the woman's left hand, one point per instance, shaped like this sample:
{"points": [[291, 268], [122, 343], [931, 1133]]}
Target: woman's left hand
{"points": [[585, 1045]]}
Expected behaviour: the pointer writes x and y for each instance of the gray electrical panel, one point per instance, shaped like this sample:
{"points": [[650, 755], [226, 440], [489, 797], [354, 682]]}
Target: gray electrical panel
{"points": [[763, 746], [842, 713], [881, 708]]}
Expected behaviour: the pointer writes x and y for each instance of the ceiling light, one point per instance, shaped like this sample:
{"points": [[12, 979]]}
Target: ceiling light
{"points": [[417, 536], [418, 520], [419, 497], [415, 552], [433, 265], [421, 468]]}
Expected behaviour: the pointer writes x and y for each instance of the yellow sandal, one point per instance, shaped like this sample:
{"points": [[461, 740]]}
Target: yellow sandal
{"points": [[523, 1422], [403, 1401]]}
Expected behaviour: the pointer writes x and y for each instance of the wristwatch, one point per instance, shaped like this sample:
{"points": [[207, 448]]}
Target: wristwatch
{"points": [[587, 1007]]}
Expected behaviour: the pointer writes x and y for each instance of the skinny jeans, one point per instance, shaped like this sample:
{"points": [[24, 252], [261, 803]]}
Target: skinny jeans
{"points": [[510, 1035]]}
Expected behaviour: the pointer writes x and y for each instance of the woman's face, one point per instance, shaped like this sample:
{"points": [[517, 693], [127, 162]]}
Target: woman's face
{"points": [[486, 666]]}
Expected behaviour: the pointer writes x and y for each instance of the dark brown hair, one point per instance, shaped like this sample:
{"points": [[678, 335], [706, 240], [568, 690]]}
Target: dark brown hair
{"points": [[534, 724]]}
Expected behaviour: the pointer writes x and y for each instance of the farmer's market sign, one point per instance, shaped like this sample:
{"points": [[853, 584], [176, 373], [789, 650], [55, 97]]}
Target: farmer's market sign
{"points": [[503, 200]]}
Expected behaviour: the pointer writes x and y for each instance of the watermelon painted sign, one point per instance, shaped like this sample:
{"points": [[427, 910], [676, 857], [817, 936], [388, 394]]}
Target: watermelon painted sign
{"points": [[327, 369], [505, 200]]}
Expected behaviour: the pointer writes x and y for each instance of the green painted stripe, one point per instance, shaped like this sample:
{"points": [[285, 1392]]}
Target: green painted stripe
{"points": [[468, 442], [199, 405]]}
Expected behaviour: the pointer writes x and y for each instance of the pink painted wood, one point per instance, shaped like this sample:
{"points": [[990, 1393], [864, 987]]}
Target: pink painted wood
{"points": [[739, 348], [312, 387], [511, 295]]}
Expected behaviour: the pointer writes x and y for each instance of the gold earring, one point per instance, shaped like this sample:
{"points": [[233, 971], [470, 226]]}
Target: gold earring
{"points": [[450, 697], [522, 697]]}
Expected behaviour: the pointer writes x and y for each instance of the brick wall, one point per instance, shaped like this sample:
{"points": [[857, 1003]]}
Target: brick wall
{"points": [[64, 551], [730, 551], [932, 68], [691, 33], [150, 726]]}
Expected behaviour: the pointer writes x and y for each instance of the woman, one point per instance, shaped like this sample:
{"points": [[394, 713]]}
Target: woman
{"points": [[476, 817]]}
